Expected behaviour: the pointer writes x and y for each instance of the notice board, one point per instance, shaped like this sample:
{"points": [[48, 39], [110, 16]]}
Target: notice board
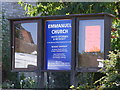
{"points": [[58, 44]]}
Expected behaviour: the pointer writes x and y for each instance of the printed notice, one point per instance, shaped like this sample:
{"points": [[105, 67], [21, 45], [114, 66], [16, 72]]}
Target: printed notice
{"points": [[58, 44], [92, 38]]}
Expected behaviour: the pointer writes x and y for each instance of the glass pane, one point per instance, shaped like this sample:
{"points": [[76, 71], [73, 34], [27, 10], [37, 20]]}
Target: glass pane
{"points": [[25, 45], [91, 43]]}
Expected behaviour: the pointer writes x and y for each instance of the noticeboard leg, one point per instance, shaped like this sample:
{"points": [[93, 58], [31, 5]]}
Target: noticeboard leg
{"points": [[72, 78], [40, 80]]}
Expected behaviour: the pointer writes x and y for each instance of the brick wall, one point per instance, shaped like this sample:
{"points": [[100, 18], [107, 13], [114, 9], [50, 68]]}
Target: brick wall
{"points": [[26, 36], [23, 40], [23, 46]]}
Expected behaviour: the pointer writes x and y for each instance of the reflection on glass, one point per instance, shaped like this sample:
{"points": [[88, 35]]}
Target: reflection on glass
{"points": [[25, 45], [91, 43]]}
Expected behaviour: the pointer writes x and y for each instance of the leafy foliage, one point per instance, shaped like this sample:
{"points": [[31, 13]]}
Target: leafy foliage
{"points": [[42, 8], [9, 78], [60, 8], [6, 67], [111, 78], [111, 70], [24, 82], [115, 36], [27, 82], [7, 84]]}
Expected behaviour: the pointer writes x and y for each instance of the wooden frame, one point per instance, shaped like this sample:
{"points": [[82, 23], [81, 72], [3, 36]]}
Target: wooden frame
{"points": [[13, 45], [75, 18], [74, 50], [55, 18], [87, 69], [107, 31]]}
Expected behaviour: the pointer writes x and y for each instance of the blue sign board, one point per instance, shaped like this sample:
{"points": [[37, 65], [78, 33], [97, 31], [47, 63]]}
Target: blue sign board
{"points": [[58, 44]]}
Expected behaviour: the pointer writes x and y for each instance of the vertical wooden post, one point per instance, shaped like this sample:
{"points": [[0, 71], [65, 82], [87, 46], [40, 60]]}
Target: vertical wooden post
{"points": [[73, 53], [40, 56], [107, 35]]}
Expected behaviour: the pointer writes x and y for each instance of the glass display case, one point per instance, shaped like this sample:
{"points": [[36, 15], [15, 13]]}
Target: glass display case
{"points": [[91, 43], [24, 45], [71, 43]]}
